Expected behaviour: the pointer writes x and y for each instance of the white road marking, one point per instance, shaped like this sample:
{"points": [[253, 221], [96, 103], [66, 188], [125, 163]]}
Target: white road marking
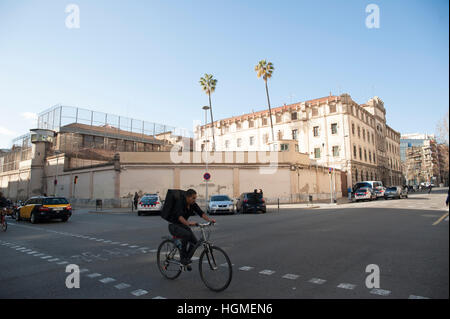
{"points": [[317, 281], [133, 246], [246, 268], [267, 272], [63, 263], [380, 292], [94, 275], [107, 280], [153, 250], [346, 286], [122, 286], [52, 260], [39, 255], [159, 297], [46, 257], [144, 248], [290, 276], [226, 265], [108, 241], [124, 244], [32, 252], [139, 292], [83, 270], [417, 297]]}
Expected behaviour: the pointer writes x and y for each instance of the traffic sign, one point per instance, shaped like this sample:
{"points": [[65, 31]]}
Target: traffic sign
{"points": [[206, 176]]}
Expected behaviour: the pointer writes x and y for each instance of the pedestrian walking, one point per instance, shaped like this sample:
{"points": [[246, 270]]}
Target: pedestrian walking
{"points": [[136, 199], [429, 189]]}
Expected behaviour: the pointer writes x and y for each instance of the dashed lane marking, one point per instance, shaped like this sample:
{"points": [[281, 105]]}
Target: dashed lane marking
{"points": [[62, 263], [317, 281], [346, 286], [159, 297], [417, 297], [122, 286], [267, 272], [246, 268], [139, 292], [46, 257], [380, 292], [94, 275], [290, 276], [107, 280], [53, 259]]}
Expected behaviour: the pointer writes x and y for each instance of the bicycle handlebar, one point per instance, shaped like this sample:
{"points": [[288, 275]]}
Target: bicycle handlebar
{"points": [[202, 225]]}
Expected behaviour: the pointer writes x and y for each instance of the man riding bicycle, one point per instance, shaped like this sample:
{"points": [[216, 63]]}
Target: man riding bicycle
{"points": [[184, 206], [3, 206]]}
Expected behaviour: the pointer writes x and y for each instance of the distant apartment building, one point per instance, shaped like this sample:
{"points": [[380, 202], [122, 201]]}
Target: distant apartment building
{"points": [[426, 161], [334, 131], [410, 140]]}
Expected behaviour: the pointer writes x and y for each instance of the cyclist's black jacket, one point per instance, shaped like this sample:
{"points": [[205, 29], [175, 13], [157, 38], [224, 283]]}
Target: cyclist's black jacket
{"points": [[3, 202], [180, 207]]}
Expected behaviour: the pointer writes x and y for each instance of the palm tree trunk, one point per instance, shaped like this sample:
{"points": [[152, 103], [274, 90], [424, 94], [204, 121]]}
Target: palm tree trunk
{"points": [[270, 111], [212, 122]]}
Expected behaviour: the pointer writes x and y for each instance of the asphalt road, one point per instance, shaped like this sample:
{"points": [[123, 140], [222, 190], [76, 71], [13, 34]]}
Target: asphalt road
{"points": [[303, 253]]}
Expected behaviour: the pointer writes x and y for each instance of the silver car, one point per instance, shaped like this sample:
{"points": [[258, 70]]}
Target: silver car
{"points": [[220, 204]]}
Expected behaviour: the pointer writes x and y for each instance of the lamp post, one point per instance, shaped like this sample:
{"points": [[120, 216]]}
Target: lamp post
{"points": [[56, 175], [206, 108]]}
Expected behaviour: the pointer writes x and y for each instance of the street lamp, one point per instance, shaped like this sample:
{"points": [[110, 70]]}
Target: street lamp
{"points": [[206, 108]]}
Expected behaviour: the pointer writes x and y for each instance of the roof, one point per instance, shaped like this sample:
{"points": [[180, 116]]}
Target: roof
{"points": [[330, 98]]}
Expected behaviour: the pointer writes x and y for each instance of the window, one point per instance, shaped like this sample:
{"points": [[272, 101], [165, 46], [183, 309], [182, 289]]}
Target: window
{"points": [[353, 129], [227, 144], [251, 123], [239, 142], [316, 130], [354, 151], [335, 151], [252, 140], [333, 108], [368, 137], [278, 118], [315, 111], [293, 116], [360, 153], [373, 140], [370, 156], [294, 134], [296, 148], [359, 132], [238, 125], [364, 134], [334, 128], [264, 121], [365, 155], [374, 162], [284, 147], [317, 153]]}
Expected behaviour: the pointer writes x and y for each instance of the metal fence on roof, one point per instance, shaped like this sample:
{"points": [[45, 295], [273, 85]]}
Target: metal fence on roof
{"points": [[61, 115]]}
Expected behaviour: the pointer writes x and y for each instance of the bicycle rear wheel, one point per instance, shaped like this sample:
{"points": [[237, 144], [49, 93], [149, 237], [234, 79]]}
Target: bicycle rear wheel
{"points": [[168, 259], [215, 268]]}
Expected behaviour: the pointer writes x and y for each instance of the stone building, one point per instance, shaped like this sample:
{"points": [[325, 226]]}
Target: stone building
{"points": [[334, 131]]}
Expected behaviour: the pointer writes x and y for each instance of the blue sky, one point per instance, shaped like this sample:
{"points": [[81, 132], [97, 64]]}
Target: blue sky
{"points": [[143, 59]]}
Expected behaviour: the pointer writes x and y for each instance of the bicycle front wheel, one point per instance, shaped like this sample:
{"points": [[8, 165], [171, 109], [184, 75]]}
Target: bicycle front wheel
{"points": [[215, 268], [168, 259], [4, 225]]}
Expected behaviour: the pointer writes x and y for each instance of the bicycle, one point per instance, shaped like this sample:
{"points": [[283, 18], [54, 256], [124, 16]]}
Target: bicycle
{"points": [[168, 259], [4, 223]]}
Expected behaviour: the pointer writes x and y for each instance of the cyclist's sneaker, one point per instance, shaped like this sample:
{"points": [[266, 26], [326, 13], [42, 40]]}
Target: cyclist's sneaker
{"points": [[187, 263]]}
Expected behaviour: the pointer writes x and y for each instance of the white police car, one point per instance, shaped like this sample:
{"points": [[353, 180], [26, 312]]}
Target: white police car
{"points": [[149, 203]]}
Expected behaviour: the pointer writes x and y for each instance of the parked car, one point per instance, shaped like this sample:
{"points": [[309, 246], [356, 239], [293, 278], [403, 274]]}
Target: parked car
{"points": [[365, 193], [220, 204], [379, 191], [396, 192], [44, 208], [149, 203], [251, 202]]}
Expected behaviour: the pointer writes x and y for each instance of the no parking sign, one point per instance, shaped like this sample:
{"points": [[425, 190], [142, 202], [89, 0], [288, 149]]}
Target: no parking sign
{"points": [[207, 176]]}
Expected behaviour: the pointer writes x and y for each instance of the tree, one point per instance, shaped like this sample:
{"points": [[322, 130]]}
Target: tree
{"points": [[442, 129], [265, 70], [208, 84]]}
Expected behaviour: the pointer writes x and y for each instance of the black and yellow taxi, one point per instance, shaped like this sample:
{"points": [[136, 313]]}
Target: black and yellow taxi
{"points": [[44, 208]]}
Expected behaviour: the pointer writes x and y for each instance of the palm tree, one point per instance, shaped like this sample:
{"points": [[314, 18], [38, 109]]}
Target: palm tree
{"points": [[265, 70], [208, 84]]}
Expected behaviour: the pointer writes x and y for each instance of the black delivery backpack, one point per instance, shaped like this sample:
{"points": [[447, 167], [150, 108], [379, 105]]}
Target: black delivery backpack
{"points": [[173, 197]]}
